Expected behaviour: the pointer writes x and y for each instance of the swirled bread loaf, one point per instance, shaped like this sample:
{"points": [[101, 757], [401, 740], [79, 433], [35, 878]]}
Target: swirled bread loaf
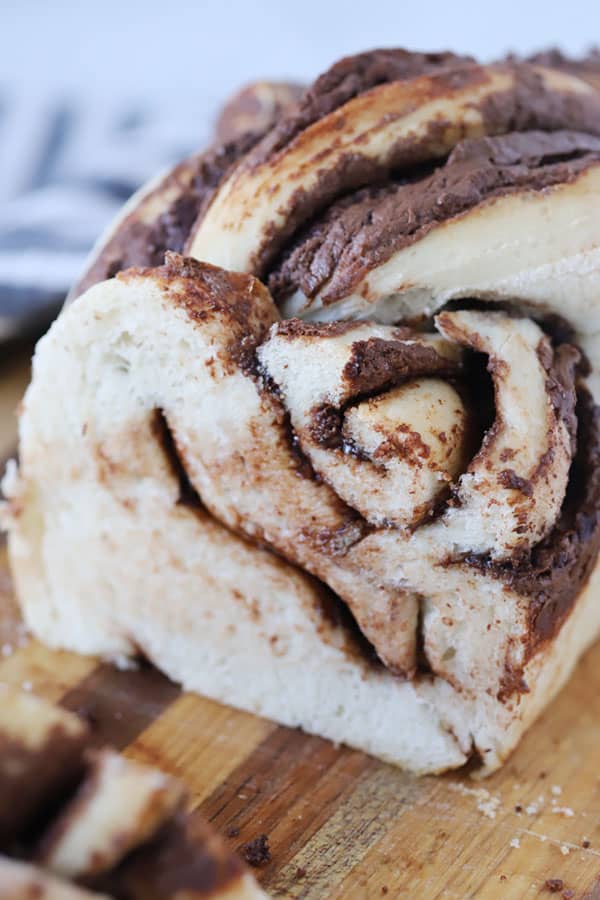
{"points": [[335, 459]]}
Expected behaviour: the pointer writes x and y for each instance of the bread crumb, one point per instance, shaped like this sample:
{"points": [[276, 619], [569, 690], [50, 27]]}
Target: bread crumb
{"points": [[26, 686], [516, 843], [563, 811], [556, 790], [7, 650], [564, 850], [487, 803]]}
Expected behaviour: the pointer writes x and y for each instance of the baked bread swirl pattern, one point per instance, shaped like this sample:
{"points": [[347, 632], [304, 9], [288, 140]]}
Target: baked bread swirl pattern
{"points": [[338, 463]]}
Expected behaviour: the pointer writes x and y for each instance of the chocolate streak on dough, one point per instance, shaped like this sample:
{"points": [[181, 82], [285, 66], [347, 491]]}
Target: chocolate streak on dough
{"points": [[346, 79], [137, 243], [528, 105], [560, 566], [141, 244], [375, 366], [557, 569], [364, 230], [32, 781], [183, 857]]}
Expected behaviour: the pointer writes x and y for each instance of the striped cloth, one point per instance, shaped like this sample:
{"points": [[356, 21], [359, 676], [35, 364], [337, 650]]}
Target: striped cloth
{"points": [[65, 169]]}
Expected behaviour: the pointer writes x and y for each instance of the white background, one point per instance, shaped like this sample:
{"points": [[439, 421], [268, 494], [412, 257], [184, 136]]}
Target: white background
{"points": [[200, 51]]}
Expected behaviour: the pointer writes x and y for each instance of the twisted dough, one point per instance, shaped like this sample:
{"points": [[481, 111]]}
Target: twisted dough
{"points": [[436, 473]]}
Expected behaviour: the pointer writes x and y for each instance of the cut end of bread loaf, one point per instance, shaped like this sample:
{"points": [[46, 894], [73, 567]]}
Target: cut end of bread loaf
{"points": [[352, 436]]}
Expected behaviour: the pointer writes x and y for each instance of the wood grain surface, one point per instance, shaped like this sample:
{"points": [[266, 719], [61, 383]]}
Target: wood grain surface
{"points": [[340, 824]]}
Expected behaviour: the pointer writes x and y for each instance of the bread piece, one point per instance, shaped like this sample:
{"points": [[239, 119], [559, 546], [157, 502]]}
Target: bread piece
{"points": [[41, 758], [120, 806], [377, 469], [113, 825], [186, 861]]}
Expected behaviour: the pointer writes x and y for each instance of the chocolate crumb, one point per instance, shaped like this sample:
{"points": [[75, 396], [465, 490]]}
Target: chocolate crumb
{"points": [[300, 873], [384, 889], [256, 852], [568, 894], [518, 808], [504, 878], [508, 478], [233, 831], [586, 844], [554, 885]]}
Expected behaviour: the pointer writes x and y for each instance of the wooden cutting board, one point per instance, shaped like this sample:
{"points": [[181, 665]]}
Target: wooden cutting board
{"points": [[340, 824]]}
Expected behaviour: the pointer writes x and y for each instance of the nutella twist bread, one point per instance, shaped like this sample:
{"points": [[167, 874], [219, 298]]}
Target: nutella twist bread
{"points": [[335, 458]]}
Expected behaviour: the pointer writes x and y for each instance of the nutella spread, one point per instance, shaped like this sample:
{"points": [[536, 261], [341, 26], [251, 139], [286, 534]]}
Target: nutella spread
{"points": [[350, 77], [141, 242], [558, 567], [555, 570], [364, 229]]}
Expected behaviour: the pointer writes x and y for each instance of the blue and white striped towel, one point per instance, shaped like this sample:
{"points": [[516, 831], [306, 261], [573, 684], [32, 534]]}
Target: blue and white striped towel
{"points": [[65, 169]]}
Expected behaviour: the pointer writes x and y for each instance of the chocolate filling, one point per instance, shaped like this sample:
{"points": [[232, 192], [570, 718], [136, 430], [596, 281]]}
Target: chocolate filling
{"points": [[366, 226], [375, 365], [364, 230], [557, 568], [529, 104], [182, 858], [560, 565], [32, 781], [346, 79], [140, 243]]}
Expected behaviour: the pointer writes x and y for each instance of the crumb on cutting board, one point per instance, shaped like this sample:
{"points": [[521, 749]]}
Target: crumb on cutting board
{"points": [[256, 852]]}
